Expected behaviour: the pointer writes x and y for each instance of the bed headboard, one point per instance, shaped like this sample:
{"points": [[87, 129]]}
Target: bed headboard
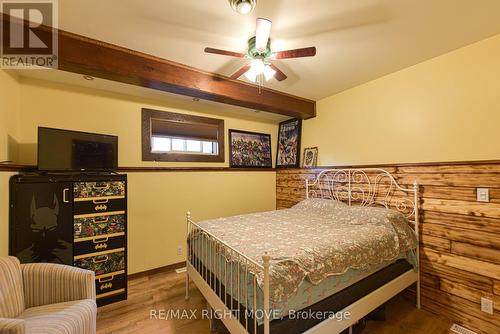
{"points": [[365, 187]]}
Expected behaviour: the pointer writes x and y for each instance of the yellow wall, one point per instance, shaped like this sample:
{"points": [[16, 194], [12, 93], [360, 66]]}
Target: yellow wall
{"points": [[9, 115], [445, 109], [9, 131], [157, 201]]}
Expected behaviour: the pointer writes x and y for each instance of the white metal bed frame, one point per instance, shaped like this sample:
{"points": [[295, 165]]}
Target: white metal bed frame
{"points": [[364, 187]]}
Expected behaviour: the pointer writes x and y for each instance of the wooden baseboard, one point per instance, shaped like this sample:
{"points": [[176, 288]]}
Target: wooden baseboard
{"points": [[170, 267]]}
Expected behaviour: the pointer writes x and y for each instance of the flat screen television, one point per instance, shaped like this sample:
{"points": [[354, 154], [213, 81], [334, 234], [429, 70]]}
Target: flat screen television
{"points": [[65, 150]]}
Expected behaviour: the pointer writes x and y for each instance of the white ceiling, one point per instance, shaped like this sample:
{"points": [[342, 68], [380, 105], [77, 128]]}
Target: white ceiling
{"points": [[357, 41]]}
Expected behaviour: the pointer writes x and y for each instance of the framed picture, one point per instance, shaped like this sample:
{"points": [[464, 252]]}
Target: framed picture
{"points": [[249, 149], [310, 158], [288, 154]]}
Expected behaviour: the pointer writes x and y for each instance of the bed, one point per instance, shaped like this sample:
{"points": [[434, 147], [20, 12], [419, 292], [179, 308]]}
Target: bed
{"points": [[317, 267]]}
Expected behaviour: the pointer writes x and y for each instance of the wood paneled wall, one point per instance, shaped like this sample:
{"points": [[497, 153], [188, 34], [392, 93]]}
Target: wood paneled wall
{"points": [[460, 237]]}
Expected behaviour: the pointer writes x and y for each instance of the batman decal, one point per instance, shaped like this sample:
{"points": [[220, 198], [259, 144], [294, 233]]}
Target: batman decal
{"points": [[47, 244]]}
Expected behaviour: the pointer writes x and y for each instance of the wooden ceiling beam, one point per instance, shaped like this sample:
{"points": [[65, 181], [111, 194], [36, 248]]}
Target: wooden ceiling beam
{"points": [[86, 56]]}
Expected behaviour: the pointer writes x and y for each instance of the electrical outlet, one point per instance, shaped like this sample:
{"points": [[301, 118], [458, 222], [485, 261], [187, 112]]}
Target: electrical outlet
{"points": [[486, 305], [483, 194], [179, 250]]}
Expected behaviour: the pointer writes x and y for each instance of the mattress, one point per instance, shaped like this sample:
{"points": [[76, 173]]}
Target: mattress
{"points": [[306, 296], [338, 301]]}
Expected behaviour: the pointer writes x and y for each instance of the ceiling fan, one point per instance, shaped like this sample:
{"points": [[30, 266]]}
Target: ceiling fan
{"points": [[260, 54]]}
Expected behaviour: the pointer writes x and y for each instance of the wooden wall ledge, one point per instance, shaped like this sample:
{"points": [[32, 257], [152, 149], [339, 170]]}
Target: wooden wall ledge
{"points": [[405, 166], [16, 168], [31, 168], [192, 169], [402, 165]]}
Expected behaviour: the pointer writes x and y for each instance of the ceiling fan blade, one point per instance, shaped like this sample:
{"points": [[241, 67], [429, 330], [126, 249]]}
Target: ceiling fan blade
{"points": [[240, 72], [279, 75], [262, 34], [296, 53], [225, 53]]}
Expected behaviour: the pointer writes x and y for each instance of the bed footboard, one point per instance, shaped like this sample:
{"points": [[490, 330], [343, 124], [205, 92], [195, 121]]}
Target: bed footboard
{"points": [[211, 265]]}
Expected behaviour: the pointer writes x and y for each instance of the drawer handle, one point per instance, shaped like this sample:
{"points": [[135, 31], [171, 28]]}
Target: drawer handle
{"points": [[98, 220], [104, 258], [100, 201], [106, 279], [103, 186], [65, 195], [98, 241]]}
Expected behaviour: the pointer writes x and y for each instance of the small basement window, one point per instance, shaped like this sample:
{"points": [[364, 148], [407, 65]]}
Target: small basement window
{"points": [[168, 136]]}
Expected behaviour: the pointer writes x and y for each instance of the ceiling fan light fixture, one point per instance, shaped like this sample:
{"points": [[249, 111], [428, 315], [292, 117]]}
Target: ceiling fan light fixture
{"points": [[256, 68], [269, 72], [243, 6], [251, 75]]}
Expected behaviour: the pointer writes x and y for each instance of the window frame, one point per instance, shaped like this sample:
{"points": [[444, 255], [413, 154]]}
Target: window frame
{"points": [[147, 155]]}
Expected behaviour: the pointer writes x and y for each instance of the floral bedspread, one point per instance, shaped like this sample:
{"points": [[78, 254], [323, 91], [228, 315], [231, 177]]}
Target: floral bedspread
{"points": [[315, 239]]}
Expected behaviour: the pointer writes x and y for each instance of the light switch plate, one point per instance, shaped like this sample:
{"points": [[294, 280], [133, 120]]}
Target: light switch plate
{"points": [[487, 305], [483, 194]]}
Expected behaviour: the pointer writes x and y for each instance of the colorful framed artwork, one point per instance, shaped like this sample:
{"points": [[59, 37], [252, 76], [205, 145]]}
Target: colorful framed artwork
{"points": [[249, 149], [310, 158], [288, 154]]}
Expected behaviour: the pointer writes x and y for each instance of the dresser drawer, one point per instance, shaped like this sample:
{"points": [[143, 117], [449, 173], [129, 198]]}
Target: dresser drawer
{"points": [[111, 297], [91, 190], [110, 282], [99, 243], [99, 205], [102, 262], [93, 225]]}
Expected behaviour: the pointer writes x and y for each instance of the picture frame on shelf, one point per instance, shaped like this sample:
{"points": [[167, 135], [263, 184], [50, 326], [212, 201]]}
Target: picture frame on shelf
{"points": [[310, 158], [288, 152], [249, 149]]}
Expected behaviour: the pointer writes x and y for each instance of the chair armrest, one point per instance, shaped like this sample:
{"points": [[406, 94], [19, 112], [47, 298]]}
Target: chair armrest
{"points": [[49, 283], [12, 326]]}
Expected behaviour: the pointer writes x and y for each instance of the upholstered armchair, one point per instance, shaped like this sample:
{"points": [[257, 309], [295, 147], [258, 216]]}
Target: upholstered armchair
{"points": [[46, 298]]}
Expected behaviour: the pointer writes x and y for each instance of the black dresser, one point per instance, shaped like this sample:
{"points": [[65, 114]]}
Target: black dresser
{"points": [[78, 220]]}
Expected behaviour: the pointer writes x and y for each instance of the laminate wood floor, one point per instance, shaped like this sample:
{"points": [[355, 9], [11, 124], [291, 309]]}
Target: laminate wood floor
{"points": [[165, 291]]}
